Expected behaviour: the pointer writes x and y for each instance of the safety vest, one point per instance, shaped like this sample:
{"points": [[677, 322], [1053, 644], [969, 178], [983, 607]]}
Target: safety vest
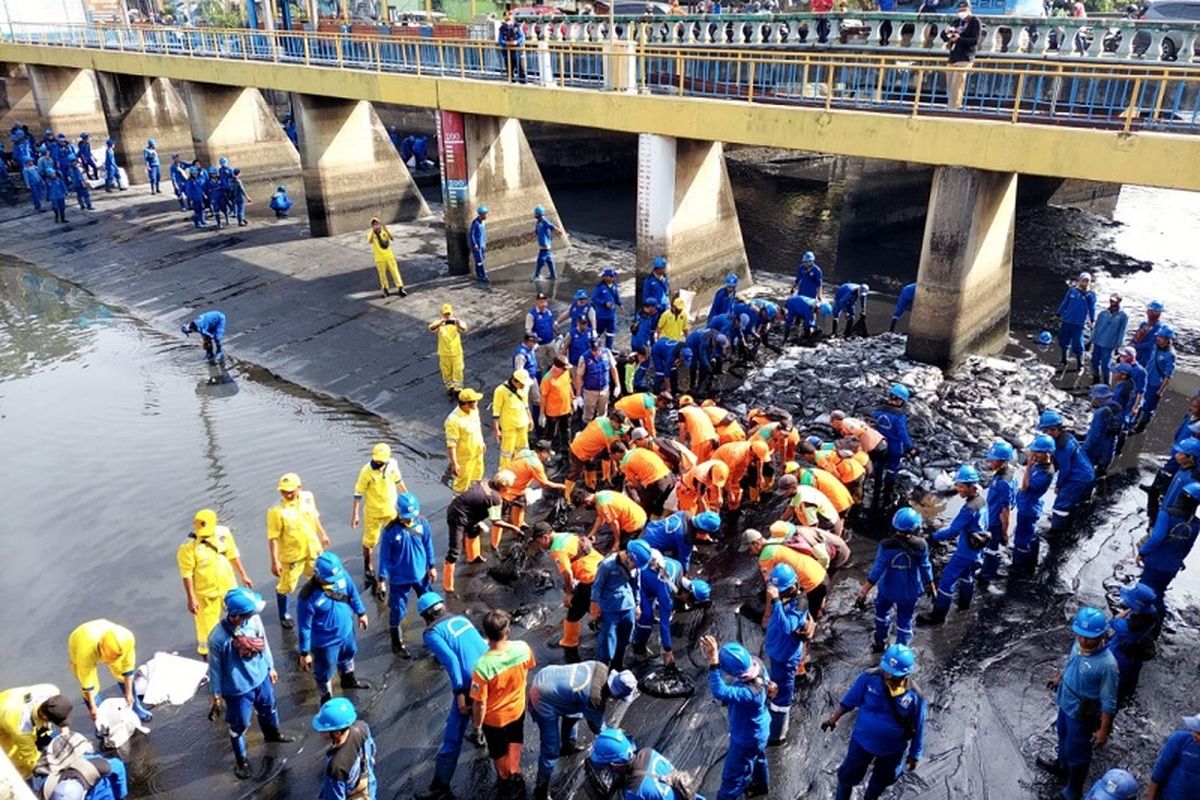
{"points": [[581, 343], [596, 368], [531, 364], [543, 325]]}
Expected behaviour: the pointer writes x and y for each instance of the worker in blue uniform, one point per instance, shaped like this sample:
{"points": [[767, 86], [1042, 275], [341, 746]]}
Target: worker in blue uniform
{"points": [[657, 285], [544, 231], [1163, 553], [660, 579], [708, 352], [1077, 309], [1191, 418], [561, 695], [667, 356], [328, 608], [406, 563], [1075, 474], [1001, 497], [1035, 482], [902, 572], [677, 534], [153, 166], [211, 327], [890, 724], [1133, 633], [1137, 373], [1108, 333], [970, 530], [903, 304], [80, 186], [45, 162], [177, 172], [803, 309], [84, 148], [477, 241], [1176, 772], [64, 154], [606, 300], [223, 192], [788, 628], [891, 419], [732, 327], [580, 308], [577, 342], [644, 324], [638, 774], [457, 644], [850, 300], [809, 277], [111, 170], [56, 192], [1104, 431], [1087, 701], [280, 202], [540, 321], [33, 182], [724, 297], [614, 598], [350, 760], [241, 675], [194, 190], [1166, 473], [745, 695], [289, 129], [1143, 338], [1160, 368]]}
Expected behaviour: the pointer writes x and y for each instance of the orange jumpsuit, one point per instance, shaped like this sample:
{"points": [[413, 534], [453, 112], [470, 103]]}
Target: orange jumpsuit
{"points": [[586, 448], [740, 457], [702, 487], [640, 408], [526, 468], [829, 485], [726, 424], [702, 437]]}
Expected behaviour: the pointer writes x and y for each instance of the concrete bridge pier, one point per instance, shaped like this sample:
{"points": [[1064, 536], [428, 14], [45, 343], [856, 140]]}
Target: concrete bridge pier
{"points": [[685, 212], [964, 282], [487, 161], [238, 124], [68, 101], [140, 108], [16, 100], [351, 170]]}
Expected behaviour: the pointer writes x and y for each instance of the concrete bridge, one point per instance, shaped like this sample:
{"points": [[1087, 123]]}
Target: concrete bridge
{"points": [[1108, 115]]}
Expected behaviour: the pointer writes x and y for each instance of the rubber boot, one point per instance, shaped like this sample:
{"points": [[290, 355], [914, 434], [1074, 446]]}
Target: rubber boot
{"points": [[326, 692], [436, 791], [541, 791], [935, 617], [497, 536], [142, 712], [271, 732], [448, 577], [779, 727], [474, 550], [569, 492], [570, 655], [351, 681], [398, 646], [571, 631], [241, 767], [285, 619]]}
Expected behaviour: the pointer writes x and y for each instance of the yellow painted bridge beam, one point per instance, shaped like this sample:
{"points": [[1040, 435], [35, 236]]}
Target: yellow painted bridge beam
{"points": [[1166, 160]]}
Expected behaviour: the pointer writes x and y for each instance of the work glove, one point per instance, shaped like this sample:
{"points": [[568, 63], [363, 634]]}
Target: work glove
{"points": [[827, 726], [578, 403]]}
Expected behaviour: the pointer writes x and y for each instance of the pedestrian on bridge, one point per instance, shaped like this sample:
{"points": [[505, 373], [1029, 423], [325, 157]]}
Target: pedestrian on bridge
{"points": [[963, 37], [511, 39]]}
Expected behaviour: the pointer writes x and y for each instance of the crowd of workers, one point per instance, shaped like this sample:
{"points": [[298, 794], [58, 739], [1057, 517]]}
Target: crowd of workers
{"points": [[640, 447]]}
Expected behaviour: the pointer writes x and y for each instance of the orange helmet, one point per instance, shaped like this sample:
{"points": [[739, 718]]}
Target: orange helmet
{"points": [[760, 449]]}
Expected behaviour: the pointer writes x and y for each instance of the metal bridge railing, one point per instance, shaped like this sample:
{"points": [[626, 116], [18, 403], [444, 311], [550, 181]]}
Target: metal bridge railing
{"points": [[1115, 96]]}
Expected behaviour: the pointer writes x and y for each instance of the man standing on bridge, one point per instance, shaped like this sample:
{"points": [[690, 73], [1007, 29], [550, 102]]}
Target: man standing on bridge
{"points": [[511, 39], [963, 37]]}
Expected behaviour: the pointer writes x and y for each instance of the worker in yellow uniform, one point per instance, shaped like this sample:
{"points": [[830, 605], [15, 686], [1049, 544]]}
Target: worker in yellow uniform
{"points": [[378, 486], [464, 441], [23, 724], [104, 642], [511, 420], [208, 560], [449, 330], [673, 324], [295, 537], [381, 240]]}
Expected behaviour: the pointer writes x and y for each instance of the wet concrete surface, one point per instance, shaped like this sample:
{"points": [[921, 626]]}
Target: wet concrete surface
{"points": [[312, 317]]}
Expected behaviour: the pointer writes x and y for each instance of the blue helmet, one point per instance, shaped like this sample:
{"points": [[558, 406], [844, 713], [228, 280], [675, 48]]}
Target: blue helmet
{"points": [[814, 440], [612, 746], [538, 211], [1090, 622], [428, 601], [900, 392], [1189, 447], [707, 521], [770, 309], [608, 272], [966, 474], [1123, 368], [1192, 490], [735, 660], [581, 294], [808, 257], [659, 263], [109, 142], [701, 590], [825, 308], [149, 142], [83, 135], [1000, 451], [640, 552], [328, 567], [907, 519], [731, 280], [240, 602], [686, 355], [223, 161], [783, 577], [1101, 391], [652, 302], [481, 210], [898, 660], [1155, 305], [1165, 332], [1117, 784], [1140, 598], [1050, 419], [335, 715], [1043, 444], [408, 506], [1045, 337]]}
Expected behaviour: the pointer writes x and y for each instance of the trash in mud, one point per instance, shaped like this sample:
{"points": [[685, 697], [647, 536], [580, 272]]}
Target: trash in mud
{"points": [[667, 682]]}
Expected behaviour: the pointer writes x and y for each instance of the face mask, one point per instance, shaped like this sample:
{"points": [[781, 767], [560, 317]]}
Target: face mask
{"points": [[963, 15]]}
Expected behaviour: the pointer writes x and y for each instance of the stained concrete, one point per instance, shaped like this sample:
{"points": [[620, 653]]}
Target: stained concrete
{"points": [[68, 100], [139, 108], [16, 100]]}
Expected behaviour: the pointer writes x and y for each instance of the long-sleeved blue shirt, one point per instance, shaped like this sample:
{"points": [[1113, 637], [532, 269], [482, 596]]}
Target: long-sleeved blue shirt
{"points": [[905, 301], [477, 236], [570, 690], [1091, 678], [657, 288], [722, 302], [671, 534], [150, 156], [892, 422], [1077, 307], [32, 177], [848, 299], [1070, 461], [1159, 367], [228, 673], [799, 308], [808, 281], [544, 230], [457, 645], [211, 324], [347, 765], [606, 300], [325, 615], [785, 628], [1177, 770], [643, 331], [56, 188], [971, 518], [703, 344], [1109, 328], [902, 568], [511, 33], [613, 589], [655, 785], [731, 325], [1029, 501], [657, 593], [1001, 494], [1143, 340], [406, 553], [749, 720], [1184, 429], [1100, 444], [878, 728]]}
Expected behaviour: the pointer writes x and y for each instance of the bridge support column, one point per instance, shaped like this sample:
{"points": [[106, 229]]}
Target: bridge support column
{"points": [[964, 282], [352, 171], [140, 108], [16, 100], [238, 124], [68, 101], [487, 161], [685, 212]]}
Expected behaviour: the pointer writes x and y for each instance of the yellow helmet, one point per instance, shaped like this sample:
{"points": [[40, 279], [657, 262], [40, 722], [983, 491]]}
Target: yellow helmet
{"points": [[205, 523], [779, 529], [447, 308], [381, 452], [290, 482]]}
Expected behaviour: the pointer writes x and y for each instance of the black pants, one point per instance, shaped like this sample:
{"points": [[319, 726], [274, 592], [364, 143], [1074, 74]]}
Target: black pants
{"points": [[558, 431], [655, 495], [514, 64]]}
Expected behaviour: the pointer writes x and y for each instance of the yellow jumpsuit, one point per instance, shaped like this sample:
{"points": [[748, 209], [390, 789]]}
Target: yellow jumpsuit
{"points": [[378, 490], [385, 258], [673, 326], [294, 524], [207, 562], [101, 642], [18, 728], [450, 356], [511, 408], [464, 434]]}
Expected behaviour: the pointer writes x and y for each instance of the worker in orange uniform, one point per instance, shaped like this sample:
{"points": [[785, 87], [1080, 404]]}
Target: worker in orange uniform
{"points": [[589, 447], [498, 695], [702, 488], [449, 330], [826, 483], [808, 506], [672, 451], [527, 467], [778, 437], [646, 475], [745, 461], [847, 466], [576, 560], [641, 408], [558, 394], [728, 427], [697, 429], [829, 549], [871, 441], [625, 517], [812, 576]]}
